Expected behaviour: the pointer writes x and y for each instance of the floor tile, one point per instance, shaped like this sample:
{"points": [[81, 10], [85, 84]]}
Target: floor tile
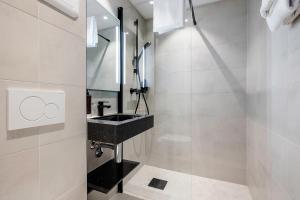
{"points": [[183, 186]]}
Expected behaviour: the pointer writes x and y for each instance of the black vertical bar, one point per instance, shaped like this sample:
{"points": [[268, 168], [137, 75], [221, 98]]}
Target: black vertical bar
{"points": [[120, 94], [136, 23], [193, 13]]}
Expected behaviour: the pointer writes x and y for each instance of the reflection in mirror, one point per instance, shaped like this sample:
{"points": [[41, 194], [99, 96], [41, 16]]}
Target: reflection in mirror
{"points": [[103, 47], [141, 61]]}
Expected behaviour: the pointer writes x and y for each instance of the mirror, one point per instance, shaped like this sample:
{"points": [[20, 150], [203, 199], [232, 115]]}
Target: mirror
{"points": [[103, 49]]}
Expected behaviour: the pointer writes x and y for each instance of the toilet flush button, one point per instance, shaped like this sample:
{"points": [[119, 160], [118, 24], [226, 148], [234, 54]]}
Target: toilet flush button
{"points": [[51, 110], [31, 108]]}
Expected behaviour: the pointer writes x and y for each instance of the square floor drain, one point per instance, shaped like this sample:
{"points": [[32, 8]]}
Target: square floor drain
{"points": [[158, 183]]}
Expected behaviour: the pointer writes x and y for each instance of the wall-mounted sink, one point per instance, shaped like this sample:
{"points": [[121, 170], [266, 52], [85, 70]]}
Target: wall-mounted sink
{"points": [[117, 128], [113, 130], [116, 117]]}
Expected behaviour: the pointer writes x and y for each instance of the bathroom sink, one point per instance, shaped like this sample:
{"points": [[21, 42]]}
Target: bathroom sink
{"points": [[117, 128], [117, 117]]}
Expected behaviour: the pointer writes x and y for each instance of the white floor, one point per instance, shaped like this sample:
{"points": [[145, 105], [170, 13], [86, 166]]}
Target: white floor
{"points": [[123, 197], [182, 186]]}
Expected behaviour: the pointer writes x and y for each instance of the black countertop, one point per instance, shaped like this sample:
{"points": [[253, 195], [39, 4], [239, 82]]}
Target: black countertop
{"points": [[116, 132]]}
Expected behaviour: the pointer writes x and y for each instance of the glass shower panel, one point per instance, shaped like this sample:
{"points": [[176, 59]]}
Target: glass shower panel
{"points": [[165, 152], [172, 138]]}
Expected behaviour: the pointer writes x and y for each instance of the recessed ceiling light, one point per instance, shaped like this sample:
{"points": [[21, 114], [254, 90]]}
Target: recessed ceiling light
{"points": [[151, 2], [186, 20], [105, 17]]}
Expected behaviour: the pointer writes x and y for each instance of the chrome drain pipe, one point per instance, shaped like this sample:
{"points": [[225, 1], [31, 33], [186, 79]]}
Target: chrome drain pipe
{"points": [[118, 153]]}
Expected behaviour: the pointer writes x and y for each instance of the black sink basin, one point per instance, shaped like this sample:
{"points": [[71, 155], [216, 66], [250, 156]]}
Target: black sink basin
{"points": [[117, 117], [117, 128]]}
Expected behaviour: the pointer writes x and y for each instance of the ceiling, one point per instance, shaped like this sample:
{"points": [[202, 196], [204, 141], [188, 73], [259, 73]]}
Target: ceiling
{"points": [[146, 9]]}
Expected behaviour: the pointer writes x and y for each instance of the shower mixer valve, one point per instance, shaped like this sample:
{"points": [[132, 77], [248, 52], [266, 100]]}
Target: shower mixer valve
{"points": [[143, 90]]}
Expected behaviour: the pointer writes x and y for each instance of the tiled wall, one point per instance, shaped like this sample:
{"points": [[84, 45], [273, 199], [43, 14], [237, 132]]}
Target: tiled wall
{"points": [[42, 48], [273, 92], [200, 113]]}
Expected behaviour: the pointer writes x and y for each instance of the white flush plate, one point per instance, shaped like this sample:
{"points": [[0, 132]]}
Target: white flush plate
{"points": [[31, 108]]}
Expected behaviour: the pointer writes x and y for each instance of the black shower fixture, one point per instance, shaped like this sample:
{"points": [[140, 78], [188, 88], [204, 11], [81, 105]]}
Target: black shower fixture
{"points": [[141, 89], [148, 44]]}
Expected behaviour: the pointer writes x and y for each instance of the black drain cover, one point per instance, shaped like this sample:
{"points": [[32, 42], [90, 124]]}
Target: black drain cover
{"points": [[158, 183]]}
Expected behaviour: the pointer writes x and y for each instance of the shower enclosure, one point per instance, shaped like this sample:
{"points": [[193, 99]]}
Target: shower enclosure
{"points": [[198, 98]]}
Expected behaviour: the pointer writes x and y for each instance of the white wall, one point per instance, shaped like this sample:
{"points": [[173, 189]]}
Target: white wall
{"points": [[41, 48], [273, 109]]}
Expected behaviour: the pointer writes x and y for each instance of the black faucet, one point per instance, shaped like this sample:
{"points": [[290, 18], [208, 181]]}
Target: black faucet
{"points": [[101, 107]]}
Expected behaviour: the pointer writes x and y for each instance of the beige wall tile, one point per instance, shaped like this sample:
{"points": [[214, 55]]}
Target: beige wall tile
{"points": [[52, 16], [174, 61], [34, 53], [273, 96], [19, 45], [14, 141], [171, 151], [293, 170], [62, 166], [218, 32], [19, 177], [75, 118], [279, 192], [29, 6], [174, 41], [62, 56], [77, 193], [173, 83]]}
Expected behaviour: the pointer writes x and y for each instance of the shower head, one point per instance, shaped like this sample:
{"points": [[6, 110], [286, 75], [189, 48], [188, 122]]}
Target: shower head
{"points": [[148, 44]]}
